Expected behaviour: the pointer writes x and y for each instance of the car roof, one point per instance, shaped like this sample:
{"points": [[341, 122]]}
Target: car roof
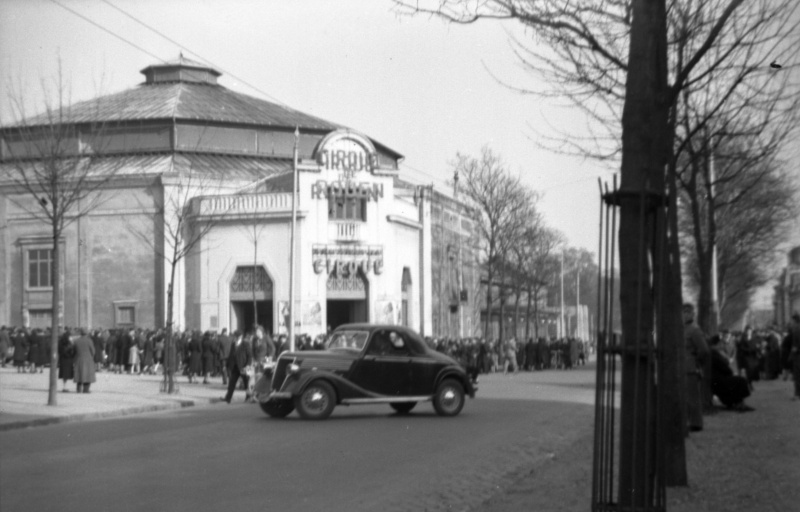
{"points": [[371, 327]]}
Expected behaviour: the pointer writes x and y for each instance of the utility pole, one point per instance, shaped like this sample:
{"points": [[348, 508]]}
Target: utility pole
{"points": [[459, 280], [292, 243], [562, 330]]}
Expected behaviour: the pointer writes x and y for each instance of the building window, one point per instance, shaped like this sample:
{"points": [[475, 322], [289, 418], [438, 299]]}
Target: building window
{"points": [[40, 265], [347, 208], [125, 313]]}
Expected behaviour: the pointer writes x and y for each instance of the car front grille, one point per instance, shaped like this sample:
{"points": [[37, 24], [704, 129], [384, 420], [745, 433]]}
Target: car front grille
{"points": [[279, 374]]}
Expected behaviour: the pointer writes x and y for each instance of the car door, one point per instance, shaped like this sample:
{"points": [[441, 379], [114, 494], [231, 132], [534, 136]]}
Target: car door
{"points": [[384, 368], [424, 369]]}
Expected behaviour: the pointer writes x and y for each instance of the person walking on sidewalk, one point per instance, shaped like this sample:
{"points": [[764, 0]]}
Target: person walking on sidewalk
{"points": [[84, 362], [239, 361], [697, 354]]}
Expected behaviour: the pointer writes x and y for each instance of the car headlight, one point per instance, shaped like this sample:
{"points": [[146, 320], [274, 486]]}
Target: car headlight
{"points": [[293, 368]]}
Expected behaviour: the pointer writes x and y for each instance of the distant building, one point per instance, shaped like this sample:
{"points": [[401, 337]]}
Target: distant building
{"points": [[370, 246], [786, 299]]}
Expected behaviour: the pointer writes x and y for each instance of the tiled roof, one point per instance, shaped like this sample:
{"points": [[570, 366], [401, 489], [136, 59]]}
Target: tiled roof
{"points": [[229, 167], [187, 101]]}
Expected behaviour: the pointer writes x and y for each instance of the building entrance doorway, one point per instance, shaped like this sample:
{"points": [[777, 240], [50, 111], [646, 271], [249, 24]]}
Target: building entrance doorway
{"points": [[347, 298], [346, 312], [251, 299], [243, 315]]}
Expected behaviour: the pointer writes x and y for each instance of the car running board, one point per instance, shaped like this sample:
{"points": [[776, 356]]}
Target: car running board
{"points": [[387, 400]]}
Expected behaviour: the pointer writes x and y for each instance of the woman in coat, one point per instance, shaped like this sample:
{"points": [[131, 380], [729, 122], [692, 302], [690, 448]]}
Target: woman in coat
{"points": [[34, 340], [21, 344], [84, 362], [66, 359], [195, 356], [148, 353]]}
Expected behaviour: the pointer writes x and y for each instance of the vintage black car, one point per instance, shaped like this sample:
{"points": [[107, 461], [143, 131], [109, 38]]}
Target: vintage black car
{"points": [[364, 364]]}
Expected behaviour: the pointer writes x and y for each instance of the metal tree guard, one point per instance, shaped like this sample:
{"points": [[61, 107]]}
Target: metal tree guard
{"points": [[627, 473]]}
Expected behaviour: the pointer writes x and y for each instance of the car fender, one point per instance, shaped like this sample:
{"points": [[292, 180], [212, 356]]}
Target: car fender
{"points": [[456, 372]]}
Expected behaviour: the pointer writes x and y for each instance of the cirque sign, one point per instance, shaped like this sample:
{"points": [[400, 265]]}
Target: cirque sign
{"points": [[346, 152], [347, 260]]}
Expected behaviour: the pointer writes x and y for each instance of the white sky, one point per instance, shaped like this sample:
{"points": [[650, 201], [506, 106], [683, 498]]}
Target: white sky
{"points": [[417, 85]]}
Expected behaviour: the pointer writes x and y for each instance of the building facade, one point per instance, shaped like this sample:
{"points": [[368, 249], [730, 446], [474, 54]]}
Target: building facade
{"points": [[208, 174], [786, 299]]}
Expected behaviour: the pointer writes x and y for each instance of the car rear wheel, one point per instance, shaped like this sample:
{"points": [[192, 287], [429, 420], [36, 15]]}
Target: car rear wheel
{"points": [[449, 398], [277, 408], [316, 402], [403, 407]]}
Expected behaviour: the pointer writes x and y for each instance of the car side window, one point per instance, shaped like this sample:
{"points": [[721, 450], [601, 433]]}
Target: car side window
{"points": [[388, 343]]}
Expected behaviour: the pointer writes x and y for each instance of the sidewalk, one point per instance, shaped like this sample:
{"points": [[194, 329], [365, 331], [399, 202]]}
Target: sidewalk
{"points": [[23, 397]]}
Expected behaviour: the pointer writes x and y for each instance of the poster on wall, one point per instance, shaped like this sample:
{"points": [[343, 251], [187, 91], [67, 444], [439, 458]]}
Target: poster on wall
{"points": [[312, 316], [388, 312], [283, 317]]}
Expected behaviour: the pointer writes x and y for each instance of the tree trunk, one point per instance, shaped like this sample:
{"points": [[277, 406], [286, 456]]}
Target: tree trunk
{"points": [[644, 143], [517, 294], [170, 354], [55, 274], [673, 385], [488, 320], [528, 315]]}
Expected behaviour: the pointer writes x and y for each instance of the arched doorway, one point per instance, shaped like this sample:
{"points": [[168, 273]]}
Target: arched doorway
{"points": [[347, 298], [251, 299]]}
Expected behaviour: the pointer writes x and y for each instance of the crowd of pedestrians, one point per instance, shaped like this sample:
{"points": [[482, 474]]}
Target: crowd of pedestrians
{"points": [[727, 364]]}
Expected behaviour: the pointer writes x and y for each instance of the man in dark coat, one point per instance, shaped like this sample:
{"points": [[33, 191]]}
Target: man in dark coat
{"points": [[224, 344], [696, 356], [794, 353], [239, 361], [84, 362]]}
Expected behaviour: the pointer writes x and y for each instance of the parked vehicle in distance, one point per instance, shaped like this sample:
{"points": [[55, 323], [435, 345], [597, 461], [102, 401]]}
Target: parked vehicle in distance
{"points": [[364, 364]]}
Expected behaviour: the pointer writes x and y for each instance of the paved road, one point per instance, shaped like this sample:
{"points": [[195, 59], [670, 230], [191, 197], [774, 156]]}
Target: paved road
{"points": [[235, 458]]}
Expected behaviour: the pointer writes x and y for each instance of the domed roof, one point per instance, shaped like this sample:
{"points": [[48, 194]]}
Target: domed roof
{"points": [[186, 90]]}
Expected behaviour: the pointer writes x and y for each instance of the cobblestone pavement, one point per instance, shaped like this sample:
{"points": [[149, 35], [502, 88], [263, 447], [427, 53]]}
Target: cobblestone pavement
{"points": [[740, 462]]}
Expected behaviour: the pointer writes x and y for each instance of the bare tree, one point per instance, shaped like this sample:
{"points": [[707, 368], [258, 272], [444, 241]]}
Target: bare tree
{"points": [[618, 51], [501, 205], [177, 234], [56, 169]]}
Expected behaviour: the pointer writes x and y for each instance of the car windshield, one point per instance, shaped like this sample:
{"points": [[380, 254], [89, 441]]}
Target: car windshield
{"points": [[353, 340]]}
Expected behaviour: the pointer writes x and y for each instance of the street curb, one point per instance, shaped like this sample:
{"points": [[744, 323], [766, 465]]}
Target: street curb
{"points": [[53, 420]]}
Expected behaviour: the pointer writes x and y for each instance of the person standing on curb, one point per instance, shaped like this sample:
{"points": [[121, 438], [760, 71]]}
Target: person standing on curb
{"points": [[66, 359], [794, 353], [239, 361], [84, 362], [697, 354]]}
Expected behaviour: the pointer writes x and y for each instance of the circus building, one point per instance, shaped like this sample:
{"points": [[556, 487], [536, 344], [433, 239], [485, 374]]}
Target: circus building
{"points": [[208, 171]]}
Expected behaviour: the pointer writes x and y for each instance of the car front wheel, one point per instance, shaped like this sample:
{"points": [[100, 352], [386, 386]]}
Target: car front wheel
{"points": [[277, 408], [449, 398], [316, 402], [403, 407]]}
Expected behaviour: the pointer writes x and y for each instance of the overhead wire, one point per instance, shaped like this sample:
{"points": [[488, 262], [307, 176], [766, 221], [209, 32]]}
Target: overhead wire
{"points": [[206, 61], [160, 34], [104, 29]]}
